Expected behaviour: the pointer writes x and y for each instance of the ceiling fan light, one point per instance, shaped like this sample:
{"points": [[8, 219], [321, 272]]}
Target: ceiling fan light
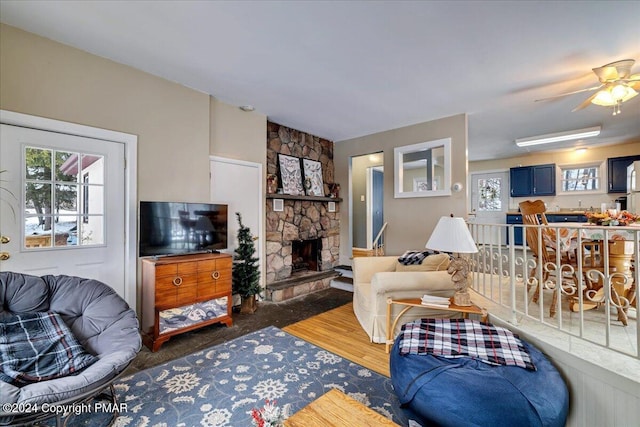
{"points": [[630, 94], [619, 92], [604, 98]]}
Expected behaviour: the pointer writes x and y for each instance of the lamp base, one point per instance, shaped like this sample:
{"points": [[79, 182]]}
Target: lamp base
{"points": [[462, 298]]}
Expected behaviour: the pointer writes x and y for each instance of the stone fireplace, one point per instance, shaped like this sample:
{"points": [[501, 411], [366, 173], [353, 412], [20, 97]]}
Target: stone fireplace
{"points": [[302, 235]]}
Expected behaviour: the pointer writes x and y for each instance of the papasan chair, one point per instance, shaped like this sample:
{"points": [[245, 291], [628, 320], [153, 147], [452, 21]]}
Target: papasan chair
{"points": [[98, 332]]}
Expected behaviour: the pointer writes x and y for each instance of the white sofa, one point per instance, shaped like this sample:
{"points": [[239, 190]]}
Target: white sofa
{"points": [[377, 278]]}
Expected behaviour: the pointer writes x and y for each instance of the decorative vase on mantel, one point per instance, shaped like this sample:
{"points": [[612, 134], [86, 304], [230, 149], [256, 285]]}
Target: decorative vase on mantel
{"points": [[246, 273]]}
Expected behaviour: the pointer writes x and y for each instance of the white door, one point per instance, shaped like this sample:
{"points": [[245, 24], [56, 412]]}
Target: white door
{"points": [[490, 201], [63, 207], [239, 184]]}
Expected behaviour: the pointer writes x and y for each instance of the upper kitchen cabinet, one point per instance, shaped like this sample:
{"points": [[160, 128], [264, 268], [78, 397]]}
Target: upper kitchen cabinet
{"points": [[617, 173], [538, 180]]}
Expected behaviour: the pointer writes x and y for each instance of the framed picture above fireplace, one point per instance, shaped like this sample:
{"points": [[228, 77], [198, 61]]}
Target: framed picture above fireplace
{"points": [[290, 175], [313, 184]]}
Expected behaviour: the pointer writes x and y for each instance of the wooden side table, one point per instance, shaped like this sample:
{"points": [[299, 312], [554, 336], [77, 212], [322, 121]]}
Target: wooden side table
{"points": [[417, 302], [336, 409]]}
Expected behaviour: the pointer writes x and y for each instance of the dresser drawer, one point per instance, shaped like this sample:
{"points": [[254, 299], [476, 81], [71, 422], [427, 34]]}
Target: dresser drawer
{"points": [[163, 270], [172, 290]]}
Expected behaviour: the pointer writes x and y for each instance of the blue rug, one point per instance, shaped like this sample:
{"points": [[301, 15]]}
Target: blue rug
{"points": [[221, 385]]}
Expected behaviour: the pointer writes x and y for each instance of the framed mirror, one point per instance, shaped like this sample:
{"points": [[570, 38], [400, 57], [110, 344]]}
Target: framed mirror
{"points": [[423, 169]]}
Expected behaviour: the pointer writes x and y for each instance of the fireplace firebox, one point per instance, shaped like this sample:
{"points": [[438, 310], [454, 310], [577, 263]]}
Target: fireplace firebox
{"points": [[304, 255]]}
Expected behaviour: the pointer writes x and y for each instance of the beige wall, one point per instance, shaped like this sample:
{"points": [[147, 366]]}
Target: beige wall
{"points": [[410, 220], [44, 78], [237, 134], [562, 158]]}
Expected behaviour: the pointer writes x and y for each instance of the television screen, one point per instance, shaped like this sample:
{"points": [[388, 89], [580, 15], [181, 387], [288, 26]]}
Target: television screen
{"points": [[170, 228]]}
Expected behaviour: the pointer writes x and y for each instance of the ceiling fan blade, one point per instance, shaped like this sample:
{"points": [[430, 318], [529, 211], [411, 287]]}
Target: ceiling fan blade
{"points": [[614, 71], [585, 103], [570, 93]]}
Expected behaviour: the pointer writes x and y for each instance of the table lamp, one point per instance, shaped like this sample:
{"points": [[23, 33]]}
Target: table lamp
{"points": [[452, 235]]}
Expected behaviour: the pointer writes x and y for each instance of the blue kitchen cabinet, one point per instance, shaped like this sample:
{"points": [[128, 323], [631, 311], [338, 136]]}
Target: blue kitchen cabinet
{"points": [[538, 180]]}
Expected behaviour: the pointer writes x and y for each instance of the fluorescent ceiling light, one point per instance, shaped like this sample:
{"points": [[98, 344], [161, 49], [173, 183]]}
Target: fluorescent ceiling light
{"points": [[559, 136]]}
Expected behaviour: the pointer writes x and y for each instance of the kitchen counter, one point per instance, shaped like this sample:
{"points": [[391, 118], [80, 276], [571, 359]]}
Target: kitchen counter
{"points": [[566, 215], [560, 212]]}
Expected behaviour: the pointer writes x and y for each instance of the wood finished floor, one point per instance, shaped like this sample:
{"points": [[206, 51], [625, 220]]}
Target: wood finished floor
{"points": [[339, 332]]}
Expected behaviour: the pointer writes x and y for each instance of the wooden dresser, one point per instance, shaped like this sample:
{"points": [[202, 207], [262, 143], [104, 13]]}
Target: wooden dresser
{"points": [[183, 293]]}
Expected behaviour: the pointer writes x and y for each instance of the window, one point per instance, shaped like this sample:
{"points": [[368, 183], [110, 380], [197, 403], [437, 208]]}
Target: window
{"points": [[579, 178], [490, 191], [63, 198]]}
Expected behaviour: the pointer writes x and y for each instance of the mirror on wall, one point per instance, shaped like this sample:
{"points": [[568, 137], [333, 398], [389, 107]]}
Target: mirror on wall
{"points": [[423, 169]]}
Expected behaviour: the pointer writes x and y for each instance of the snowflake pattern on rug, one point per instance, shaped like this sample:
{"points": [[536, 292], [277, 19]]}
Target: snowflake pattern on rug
{"points": [[220, 386]]}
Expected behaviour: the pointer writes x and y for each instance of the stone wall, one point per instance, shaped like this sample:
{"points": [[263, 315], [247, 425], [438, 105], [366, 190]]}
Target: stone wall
{"points": [[300, 219]]}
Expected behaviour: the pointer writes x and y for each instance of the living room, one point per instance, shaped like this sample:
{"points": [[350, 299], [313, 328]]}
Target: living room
{"points": [[179, 129]]}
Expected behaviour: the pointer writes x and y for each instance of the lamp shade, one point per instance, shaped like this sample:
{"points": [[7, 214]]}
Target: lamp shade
{"points": [[452, 235]]}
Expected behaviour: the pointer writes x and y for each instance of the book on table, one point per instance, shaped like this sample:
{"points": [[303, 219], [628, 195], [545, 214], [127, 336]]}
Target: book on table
{"points": [[432, 300]]}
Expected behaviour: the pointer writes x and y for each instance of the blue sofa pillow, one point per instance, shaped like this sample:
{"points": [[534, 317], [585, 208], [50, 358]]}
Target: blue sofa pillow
{"points": [[38, 347]]}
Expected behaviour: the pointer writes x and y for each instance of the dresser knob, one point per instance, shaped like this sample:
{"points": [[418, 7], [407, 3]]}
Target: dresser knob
{"points": [[215, 275], [177, 281]]}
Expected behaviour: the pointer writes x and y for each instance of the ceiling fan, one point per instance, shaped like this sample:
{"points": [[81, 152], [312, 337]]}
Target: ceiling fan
{"points": [[617, 85]]}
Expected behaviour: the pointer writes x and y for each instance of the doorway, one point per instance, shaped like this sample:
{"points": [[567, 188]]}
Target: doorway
{"points": [[71, 208], [375, 203], [238, 183], [367, 199], [490, 202]]}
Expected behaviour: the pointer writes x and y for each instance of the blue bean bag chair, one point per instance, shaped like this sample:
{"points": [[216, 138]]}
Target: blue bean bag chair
{"points": [[467, 392]]}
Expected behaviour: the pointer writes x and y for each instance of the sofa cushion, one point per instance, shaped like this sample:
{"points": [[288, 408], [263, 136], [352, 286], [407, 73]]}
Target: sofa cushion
{"points": [[435, 262], [38, 347]]}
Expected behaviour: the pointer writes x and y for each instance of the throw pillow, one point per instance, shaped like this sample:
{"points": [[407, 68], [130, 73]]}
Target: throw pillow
{"points": [[435, 262], [38, 347]]}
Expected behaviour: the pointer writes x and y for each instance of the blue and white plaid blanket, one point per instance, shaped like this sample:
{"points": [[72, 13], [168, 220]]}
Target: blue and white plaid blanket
{"points": [[38, 347], [413, 257], [464, 338]]}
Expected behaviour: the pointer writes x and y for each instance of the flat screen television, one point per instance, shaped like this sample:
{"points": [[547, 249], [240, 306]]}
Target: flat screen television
{"points": [[173, 228]]}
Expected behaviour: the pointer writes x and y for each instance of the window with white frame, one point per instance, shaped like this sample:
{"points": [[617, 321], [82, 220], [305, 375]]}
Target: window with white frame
{"points": [[580, 178]]}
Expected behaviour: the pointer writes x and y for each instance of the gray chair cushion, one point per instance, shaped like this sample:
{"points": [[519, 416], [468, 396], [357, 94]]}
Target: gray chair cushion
{"points": [[99, 319]]}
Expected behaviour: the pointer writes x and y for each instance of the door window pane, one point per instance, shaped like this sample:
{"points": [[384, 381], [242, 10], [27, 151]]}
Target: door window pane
{"points": [[66, 166], [66, 197], [38, 163], [490, 191], [60, 209]]}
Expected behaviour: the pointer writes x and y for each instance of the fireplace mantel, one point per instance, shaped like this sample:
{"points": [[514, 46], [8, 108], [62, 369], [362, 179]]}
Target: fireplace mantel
{"points": [[309, 198]]}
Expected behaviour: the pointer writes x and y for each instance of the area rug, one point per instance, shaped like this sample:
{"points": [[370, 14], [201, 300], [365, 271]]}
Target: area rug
{"points": [[221, 385]]}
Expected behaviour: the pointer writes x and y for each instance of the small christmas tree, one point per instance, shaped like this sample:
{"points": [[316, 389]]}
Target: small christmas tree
{"points": [[246, 274]]}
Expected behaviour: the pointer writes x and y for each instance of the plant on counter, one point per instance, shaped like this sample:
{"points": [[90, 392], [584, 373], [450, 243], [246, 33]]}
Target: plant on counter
{"points": [[607, 218]]}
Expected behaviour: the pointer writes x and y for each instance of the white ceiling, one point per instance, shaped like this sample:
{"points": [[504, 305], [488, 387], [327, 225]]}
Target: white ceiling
{"points": [[343, 69]]}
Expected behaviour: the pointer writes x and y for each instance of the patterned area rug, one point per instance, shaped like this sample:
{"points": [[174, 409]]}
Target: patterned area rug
{"points": [[221, 385]]}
